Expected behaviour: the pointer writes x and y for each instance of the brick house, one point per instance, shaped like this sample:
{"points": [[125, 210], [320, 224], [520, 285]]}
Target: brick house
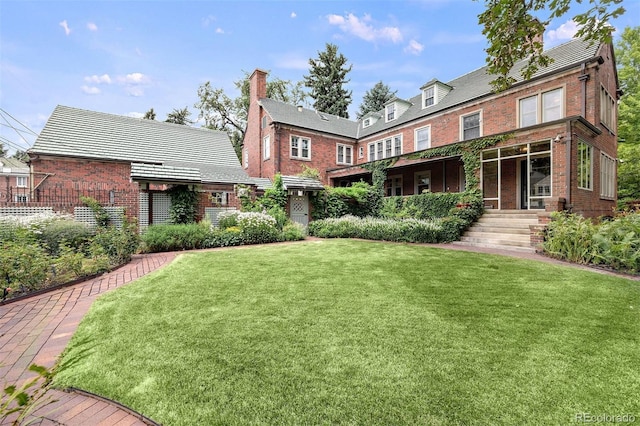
{"points": [[129, 162], [556, 136], [14, 182]]}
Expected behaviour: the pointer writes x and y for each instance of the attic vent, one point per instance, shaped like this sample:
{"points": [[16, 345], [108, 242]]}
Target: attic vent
{"points": [[323, 117]]}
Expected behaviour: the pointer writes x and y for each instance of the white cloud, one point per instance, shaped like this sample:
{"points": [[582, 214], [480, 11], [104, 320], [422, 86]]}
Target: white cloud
{"points": [[98, 79], [65, 26], [91, 26], [564, 32], [364, 28], [414, 47], [293, 14], [219, 30], [90, 90], [134, 78]]}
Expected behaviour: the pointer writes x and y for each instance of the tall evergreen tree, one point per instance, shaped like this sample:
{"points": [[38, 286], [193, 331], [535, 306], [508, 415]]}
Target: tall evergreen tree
{"points": [[375, 98], [326, 79]]}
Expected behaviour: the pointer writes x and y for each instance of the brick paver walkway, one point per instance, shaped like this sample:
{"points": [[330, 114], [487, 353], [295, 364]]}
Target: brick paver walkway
{"points": [[37, 329]]}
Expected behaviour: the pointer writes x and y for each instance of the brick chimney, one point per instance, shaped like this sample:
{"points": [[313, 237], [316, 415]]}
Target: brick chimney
{"points": [[257, 85], [252, 146]]}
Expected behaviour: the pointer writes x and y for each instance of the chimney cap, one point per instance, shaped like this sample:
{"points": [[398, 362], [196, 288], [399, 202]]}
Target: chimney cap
{"points": [[299, 108]]}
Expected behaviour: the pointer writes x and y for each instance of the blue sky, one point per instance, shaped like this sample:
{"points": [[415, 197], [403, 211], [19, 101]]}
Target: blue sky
{"points": [[125, 57]]}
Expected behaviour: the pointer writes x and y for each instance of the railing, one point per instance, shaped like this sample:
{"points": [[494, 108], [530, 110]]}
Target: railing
{"points": [[60, 199]]}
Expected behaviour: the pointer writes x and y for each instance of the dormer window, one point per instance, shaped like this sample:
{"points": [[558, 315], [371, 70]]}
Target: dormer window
{"points": [[391, 112], [429, 96], [367, 122]]}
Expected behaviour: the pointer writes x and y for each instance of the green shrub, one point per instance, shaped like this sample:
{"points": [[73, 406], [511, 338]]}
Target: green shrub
{"points": [[118, 244], [184, 204], [227, 219], [68, 264], [170, 237], [99, 212], [293, 231], [404, 230], [360, 199], [227, 237], [75, 234], [430, 205], [24, 265], [570, 237]]}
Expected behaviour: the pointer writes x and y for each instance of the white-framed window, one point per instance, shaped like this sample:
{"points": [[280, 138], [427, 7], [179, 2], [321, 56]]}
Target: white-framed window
{"points": [[264, 122], [391, 112], [246, 158], [21, 198], [393, 186], [344, 154], [607, 109], [361, 152], [607, 176], [300, 148], [470, 127], [429, 96], [21, 181], [366, 122], [423, 138], [422, 182], [385, 148], [397, 145], [266, 147], [541, 108], [585, 165]]}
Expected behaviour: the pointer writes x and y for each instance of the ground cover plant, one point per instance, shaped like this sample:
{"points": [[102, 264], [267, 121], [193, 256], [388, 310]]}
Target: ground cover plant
{"points": [[613, 243], [362, 332]]}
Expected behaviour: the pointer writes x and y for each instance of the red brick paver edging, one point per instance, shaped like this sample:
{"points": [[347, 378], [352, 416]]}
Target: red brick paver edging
{"points": [[37, 329]]}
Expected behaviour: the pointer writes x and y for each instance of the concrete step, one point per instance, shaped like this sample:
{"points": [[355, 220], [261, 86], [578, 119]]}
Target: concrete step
{"points": [[501, 240], [497, 246], [504, 226], [512, 216], [519, 235]]}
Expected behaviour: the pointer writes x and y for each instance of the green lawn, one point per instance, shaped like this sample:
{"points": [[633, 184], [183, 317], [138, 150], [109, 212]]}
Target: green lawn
{"points": [[357, 332]]}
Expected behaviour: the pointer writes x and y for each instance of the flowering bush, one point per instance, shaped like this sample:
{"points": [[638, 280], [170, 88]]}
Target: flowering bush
{"points": [[258, 228], [227, 219]]}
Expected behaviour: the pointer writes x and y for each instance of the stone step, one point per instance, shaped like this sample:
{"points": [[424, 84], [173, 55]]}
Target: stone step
{"points": [[514, 216]]}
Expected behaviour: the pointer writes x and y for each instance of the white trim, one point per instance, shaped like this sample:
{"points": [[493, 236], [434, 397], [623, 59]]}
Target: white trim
{"points": [[266, 147], [540, 107], [416, 175], [394, 111], [578, 164], [393, 187], [23, 185], [434, 97]]}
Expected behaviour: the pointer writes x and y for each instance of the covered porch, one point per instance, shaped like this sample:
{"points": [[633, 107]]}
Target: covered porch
{"points": [[409, 176]]}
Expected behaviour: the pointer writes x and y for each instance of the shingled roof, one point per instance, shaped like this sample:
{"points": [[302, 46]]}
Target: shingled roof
{"points": [[473, 85], [78, 133]]}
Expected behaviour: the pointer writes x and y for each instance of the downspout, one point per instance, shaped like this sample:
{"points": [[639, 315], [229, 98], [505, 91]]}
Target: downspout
{"points": [[568, 205], [278, 148]]}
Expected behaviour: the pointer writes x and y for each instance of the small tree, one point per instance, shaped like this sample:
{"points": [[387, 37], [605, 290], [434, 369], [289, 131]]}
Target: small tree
{"points": [[327, 77]]}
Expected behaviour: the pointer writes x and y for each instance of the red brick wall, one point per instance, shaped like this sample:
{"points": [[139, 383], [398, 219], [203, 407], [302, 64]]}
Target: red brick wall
{"points": [[85, 177]]}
